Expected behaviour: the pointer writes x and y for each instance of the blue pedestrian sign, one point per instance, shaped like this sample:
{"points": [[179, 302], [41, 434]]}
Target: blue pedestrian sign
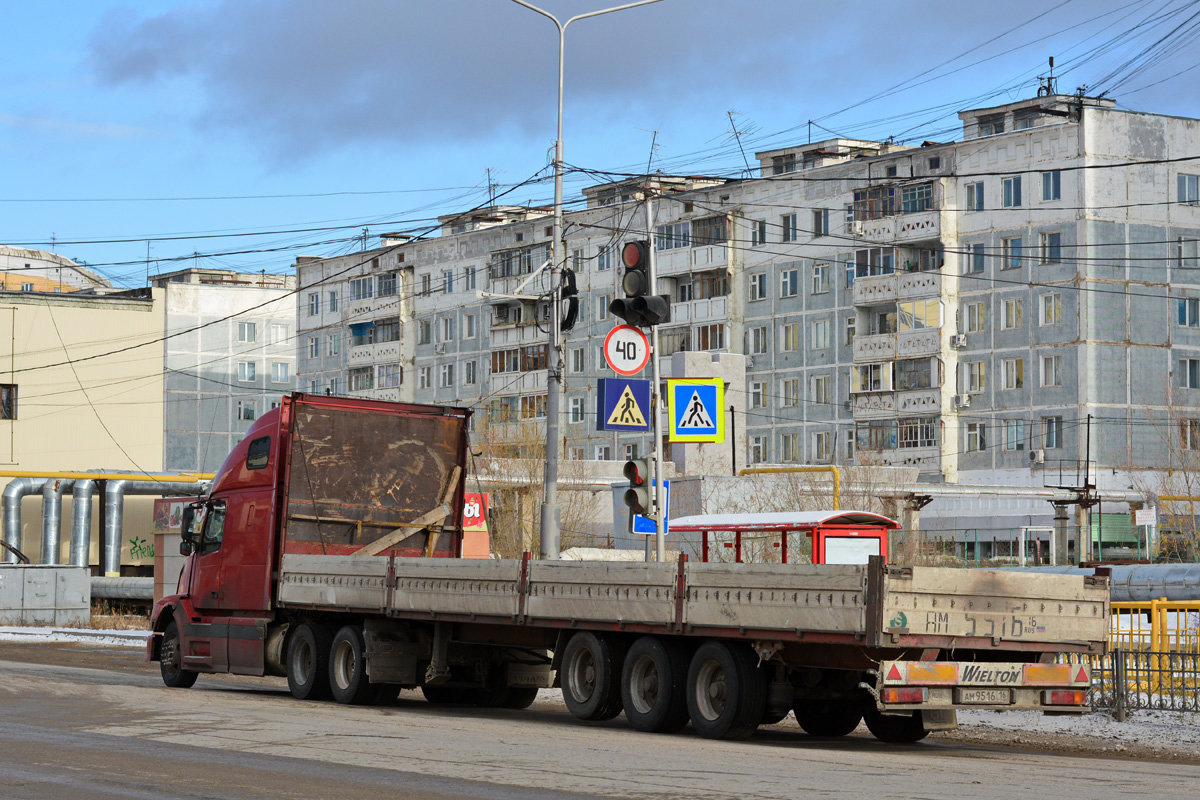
{"points": [[646, 525], [695, 407], [623, 404]]}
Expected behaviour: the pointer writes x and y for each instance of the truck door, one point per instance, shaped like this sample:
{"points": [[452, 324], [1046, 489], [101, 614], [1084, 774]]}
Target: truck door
{"points": [[206, 640]]}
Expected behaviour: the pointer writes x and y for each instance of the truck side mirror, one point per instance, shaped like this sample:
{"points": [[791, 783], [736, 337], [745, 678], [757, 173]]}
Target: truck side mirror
{"points": [[185, 548], [185, 527]]}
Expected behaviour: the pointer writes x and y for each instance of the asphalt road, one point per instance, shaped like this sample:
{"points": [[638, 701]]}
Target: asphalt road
{"points": [[82, 722]]}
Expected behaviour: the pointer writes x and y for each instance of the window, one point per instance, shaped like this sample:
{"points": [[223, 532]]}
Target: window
{"points": [[975, 257], [1189, 433], [822, 446], [447, 329], [387, 376], [26, 287], [790, 396], [1051, 432], [976, 437], [335, 385], [935, 162], [878, 434], [820, 278], [822, 392], [758, 286], [918, 373], [280, 372], [314, 386], [975, 196], [976, 373], [469, 376], [710, 230], [1013, 372], [790, 229], [469, 279], [890, 170], [259, 451], [758, 449], [875, 261], [364, 288], [917, 432], [976, 319], [789, 447], [872, 378], [246, 410], [1011, 192], [781, 165], [1189, 253], [387, 330], [820, 222], [1051, 186], [1051, 370], [1051, 247], [333, 300], [710, 337], [362, 379], [575, 453], [1011, 258], [247, 332], [362, 333], [247, 371], [714, 283], [875, 203], [758, 232], [576, 409], [1187, 312], [426, 285], [468, 326], [603, 452], [820, 335], [671, 237], [1014, 434], [758, 340], [447, 281], [387, 285], [789, 283], [446, 376], [851, 324], [1189, 373], [8, 401], [314, 304], [533, 406], [914, 199], [576, 360], [424, 332], [919, 314], [631, 451], [424, 377], [789, 337], [758, 394], [314, 346], [1189, 189], [1013, 315], [1024, 120], [1051, 308], [279, 334], [990, 126]]}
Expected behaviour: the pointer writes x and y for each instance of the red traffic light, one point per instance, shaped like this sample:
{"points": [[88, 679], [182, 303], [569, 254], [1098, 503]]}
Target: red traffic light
{"points": [[635, 255]]}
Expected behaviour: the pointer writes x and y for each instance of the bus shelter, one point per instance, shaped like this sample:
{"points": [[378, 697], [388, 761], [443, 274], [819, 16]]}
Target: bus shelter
{"points": [[837, 537]]}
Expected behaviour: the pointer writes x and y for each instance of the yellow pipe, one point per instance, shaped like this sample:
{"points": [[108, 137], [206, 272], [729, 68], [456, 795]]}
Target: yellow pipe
{"points": [[837, 477], [1178, 498], [108, 476]]}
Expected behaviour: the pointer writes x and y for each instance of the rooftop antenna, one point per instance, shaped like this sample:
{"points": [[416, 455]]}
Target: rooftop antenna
{"points": [[491, 188], [364, 239], [1048, 85], [738, 135]]}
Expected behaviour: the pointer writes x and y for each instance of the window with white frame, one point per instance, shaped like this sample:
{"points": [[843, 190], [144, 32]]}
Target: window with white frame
{"points": [[913, 315], [1013, 373], [575, 453], [1187, 312], [335, 385], [1051, 186], [603, 452], [447, 281], [1189, 434], [314, 386], [247, 332], [789, 283], [576, 409], [576, 360], [791, 230], [914, 432], [314, 304], [822, 390], [606, 257], [1051, 308], [1012, 314], [631, 451], [426, 285], [280, 372], [873, 377], [424, 377], [820, 278], [247, 409], [446, 378], [758, 232], [758, 286], [820, 335], [1010, 189], [976, 375], [1014, 434], [279, 334], [975, 258], [789, 448], [603, 301], [447, 329], [758, 449], [1012, 253], [673, 236], [758, 394], [469, 375], [1051, 247], [976, 437], [822, 445], [789, 337], [758, 340], [1189, 253], [915, 199], [849, 329], [333, 300], [424, 331], [1189, 373], [976, 317], [469, 279], [247, 371], [820, 222], [710, 337], [363, 288], [790, 392], [387, 376], [314, 346], [362, 379], [387, 285], [1051, 433], [975, 196], [1189, 189], [1052, 370]]}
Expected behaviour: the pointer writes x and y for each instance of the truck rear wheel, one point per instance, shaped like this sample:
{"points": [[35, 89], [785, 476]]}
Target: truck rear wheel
{"points": [[308, 661], [827, 718], [520, 697], [654, 685], [443, 695], [171, 660], [348, 669], [591, 677], [894, 729], [726, 692]]}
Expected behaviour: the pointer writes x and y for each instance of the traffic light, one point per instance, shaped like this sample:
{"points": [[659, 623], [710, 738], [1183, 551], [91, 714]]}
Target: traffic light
{"points": [[637, 496], [639, 307]]}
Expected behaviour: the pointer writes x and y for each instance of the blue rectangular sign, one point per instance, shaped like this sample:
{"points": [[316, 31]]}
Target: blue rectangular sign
{"points": [[623, 404], [646, 525]]}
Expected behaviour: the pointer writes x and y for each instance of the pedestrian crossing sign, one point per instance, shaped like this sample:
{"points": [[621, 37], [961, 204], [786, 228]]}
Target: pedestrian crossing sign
{"points": [[696, 409], [623, 404]]}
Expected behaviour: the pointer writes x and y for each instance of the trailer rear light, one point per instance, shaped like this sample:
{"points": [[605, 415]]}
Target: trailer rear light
{"points": [[904, 694], [1068, 697]]}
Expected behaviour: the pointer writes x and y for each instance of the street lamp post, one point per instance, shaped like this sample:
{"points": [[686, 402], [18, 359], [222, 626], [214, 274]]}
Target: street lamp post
{"points": [[549, 520]]}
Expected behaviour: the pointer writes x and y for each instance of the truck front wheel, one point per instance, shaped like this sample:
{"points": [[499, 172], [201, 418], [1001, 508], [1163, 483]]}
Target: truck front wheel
{"points": [[348, 669], [171, 660], [308, 661], [591, 679], [726, 692]]}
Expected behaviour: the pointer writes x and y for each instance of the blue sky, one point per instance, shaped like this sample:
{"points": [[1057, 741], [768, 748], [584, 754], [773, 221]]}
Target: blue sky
{"points": [[298, 122]]}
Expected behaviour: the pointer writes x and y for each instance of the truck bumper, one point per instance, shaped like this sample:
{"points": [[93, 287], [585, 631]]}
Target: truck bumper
{"points": [[930, 685]]}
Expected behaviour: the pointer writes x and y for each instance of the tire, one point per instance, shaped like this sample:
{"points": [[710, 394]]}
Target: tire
{"points": [[384, 694], [654, 685], [171, 660], [308, 661], [520, 697], [591, 677], [726, 692], [894, 729], [442, 695], [494, 696], [828, 718], [772, 717], [348, 679]]}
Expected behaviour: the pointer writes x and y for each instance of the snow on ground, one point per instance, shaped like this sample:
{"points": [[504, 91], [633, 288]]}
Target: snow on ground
{"points": [[73, 635]]}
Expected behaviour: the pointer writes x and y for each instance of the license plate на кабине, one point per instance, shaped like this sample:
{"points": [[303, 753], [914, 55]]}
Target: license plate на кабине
{"points": [[983, 696]]}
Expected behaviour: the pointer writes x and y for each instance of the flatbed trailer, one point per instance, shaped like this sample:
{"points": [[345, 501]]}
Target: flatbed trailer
{"points": [[339, 526]]}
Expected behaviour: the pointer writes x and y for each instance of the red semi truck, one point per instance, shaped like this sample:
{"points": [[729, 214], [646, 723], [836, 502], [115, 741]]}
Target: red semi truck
{"points": [[327, 551]]}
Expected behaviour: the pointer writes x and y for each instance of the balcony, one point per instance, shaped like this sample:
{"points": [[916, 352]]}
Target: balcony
{"points": [[714, 308], [873, 290], [919, 402], [514, 383], [914, 344], [918, 285], [880, 347], [876, 405], [922, 226]]}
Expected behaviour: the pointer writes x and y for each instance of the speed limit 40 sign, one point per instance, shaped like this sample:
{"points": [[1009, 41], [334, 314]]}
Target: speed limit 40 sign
{"points": [[627, 350]]}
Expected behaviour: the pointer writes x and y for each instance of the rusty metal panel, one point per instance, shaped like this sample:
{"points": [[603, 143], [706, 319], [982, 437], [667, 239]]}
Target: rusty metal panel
{"points": [[343, 582], [995, 604], [356, 474], [791, 597], [455, 586], [602, 591]]}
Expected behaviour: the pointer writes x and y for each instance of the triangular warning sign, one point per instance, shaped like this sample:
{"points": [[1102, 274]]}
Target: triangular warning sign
{"points": [[695, 415], [626, 411], [893, 674], [1082, 676]]}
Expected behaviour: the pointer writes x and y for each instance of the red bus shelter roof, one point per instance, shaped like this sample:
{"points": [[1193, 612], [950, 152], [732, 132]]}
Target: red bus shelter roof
{"points": [[780, 521]]}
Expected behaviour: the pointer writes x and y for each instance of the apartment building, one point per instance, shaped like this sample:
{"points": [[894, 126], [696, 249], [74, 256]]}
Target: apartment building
{"points": [[962, 308]]}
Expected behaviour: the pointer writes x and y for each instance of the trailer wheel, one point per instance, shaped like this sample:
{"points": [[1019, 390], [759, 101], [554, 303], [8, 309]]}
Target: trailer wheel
{"points": [[654, 685], [171, 660], [442, 695], [348, 668], [726, 692], [828, 718], [308, 661], [591, 677], [894, 729], [520, 697], [384, 694]]}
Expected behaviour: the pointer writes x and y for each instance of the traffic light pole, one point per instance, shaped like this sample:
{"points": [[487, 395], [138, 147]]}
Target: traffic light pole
{"points": [[660, 522]]}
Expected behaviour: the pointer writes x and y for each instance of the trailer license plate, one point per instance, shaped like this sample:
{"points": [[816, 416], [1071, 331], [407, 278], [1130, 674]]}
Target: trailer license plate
{"points": [[993, 697]]}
